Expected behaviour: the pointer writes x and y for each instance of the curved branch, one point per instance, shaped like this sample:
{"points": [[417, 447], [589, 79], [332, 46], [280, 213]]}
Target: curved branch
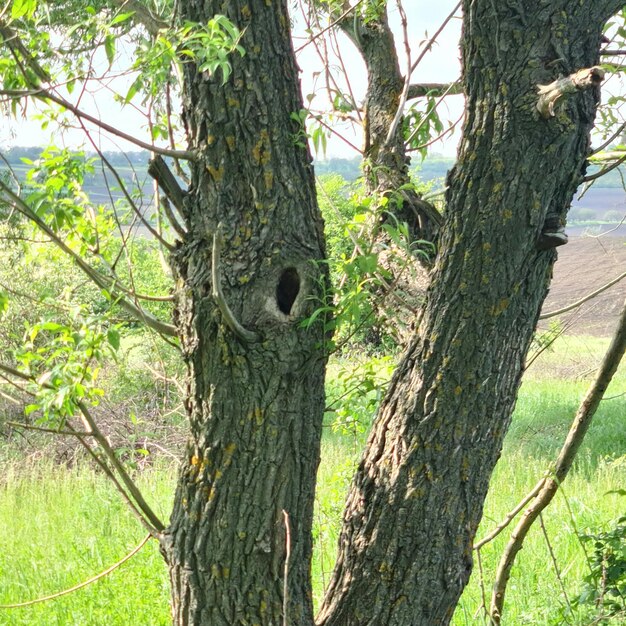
{"points": [[572, 444], [85, 583], [590, 296], [247, 336]]}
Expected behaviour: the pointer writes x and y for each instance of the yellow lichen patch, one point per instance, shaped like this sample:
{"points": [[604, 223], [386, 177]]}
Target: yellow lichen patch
{"points": [[242, 534], [195, 460], [258, 416], [225, 572], [268, 177], [216, 172], [233, 103], [497, 188], [498, 165], [230, 142], [484, 279], [458, 390], [243, 280], [210, 140], [502, 305], [486, 246], [465, 470], [504, 90], [261, 150], [507, 214], [245, 12]]}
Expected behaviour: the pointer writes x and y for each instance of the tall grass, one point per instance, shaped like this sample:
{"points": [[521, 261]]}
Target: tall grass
{"points": [[61, 526]]}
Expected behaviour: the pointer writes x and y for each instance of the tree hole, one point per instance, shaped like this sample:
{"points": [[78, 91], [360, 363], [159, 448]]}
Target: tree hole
{"points": [[287, 289]]}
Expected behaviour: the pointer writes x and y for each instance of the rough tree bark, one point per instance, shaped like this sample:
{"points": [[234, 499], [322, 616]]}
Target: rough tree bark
{"points": [[256, 396], [416, 500]]}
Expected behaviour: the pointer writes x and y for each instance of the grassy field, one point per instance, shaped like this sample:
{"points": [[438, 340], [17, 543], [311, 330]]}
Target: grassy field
{"points": [[62, 526]]}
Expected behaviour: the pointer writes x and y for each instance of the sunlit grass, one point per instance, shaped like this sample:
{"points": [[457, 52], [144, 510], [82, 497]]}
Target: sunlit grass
{"points": [[60, 526]]}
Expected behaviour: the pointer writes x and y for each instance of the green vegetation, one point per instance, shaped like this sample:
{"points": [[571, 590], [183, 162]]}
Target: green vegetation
{"points": [[64, 522], [63, 525]]}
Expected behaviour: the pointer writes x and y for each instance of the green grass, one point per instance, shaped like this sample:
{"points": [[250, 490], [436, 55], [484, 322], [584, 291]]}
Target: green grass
{"points": [[60, 527]]}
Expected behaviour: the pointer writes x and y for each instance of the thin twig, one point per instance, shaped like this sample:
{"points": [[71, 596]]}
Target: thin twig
{"points": [[85, 583], [286, 569], [590, 296], [554, 562]]}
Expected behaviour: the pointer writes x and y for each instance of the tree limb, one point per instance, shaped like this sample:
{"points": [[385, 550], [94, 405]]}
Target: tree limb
{"points": [[247, 336], [590, 296], [577, 432], [85, 583], [102, 281], [157, 168], [549, 95], [420, 90]]}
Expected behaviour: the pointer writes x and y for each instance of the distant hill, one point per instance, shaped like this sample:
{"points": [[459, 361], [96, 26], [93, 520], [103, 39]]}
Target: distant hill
{"points": [[131, 166]]}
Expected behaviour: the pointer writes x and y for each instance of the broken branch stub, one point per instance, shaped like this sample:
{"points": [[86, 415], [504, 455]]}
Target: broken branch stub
{"points": [[549, 95]]}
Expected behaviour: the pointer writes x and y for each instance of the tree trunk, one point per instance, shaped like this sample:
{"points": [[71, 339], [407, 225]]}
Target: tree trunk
{"points": [[255, 394], [416, 500]]}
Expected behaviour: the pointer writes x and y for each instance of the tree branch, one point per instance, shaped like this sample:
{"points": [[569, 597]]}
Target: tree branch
{"points": [[420, 90], [549, 95], [157, 168], [590, 296], [102, 281], [85, 583], [247, 336], [577, 432]]}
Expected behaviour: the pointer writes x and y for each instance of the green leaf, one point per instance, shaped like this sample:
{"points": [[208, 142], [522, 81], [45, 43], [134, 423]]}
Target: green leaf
{"points": [[113, 337], [109, 48], [23, 8], [122, 17], [4, 303]]}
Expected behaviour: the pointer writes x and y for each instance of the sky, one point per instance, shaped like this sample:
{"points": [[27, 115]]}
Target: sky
{"points": [[441, 64]]}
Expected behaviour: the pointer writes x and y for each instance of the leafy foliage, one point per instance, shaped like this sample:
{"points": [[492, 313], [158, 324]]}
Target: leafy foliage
{"points": [[605, 585]]}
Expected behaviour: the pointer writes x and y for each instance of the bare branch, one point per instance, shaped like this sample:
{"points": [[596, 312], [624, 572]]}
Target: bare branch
{"points": [[420, 90], [590, 296], [247, 336], [85, 583], [157, 168], [563, 464], [413, 67], [549, 95], [129, 483]]}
